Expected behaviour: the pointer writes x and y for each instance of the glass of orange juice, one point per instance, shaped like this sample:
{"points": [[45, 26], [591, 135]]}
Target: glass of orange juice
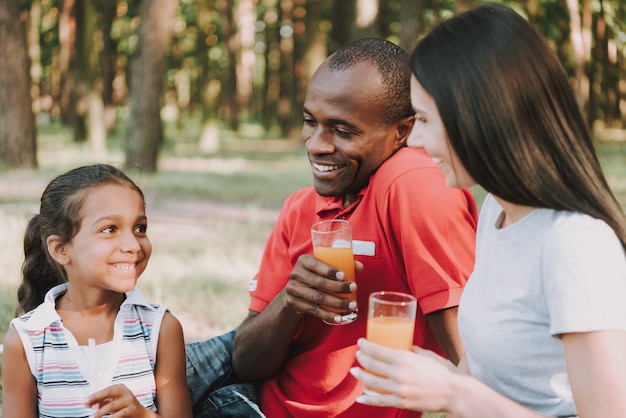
{"points": [[332, 244], [391, 320]]}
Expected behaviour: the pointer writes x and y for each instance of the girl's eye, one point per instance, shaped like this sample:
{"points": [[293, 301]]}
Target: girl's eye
{"points": [[108, 229], [141, 229], [419, 119]]}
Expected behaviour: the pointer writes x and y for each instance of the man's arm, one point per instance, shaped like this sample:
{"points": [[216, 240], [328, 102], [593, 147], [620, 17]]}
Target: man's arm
{"points": [[443, 325], [263, 339]]}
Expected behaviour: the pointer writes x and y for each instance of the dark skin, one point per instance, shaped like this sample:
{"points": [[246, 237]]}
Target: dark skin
{"points": [[346, 141]]}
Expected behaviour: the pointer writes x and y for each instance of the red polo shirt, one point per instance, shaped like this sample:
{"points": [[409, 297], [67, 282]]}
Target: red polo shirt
{"points": [[412, 233]]}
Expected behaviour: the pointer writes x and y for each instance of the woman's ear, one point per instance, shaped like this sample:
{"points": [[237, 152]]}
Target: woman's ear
{"points": [[57, 249]]}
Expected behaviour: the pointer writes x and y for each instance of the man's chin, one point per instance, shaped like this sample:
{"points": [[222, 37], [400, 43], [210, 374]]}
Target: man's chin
{"points": [[326, 191]]}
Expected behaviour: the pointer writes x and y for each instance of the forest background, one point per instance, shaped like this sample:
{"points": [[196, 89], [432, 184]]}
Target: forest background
{"points": [[201, 102]]}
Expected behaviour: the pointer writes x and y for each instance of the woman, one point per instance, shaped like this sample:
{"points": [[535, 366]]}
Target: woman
{"points": [[543, 316]]}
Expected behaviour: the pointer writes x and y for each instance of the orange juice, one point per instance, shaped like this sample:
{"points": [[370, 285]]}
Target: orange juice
{"points": [[342, 259], [391, 331]]}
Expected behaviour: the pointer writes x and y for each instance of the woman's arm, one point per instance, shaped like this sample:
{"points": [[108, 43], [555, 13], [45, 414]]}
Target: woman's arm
{"points": [[596, 366], [19, 388], [423, 381]]}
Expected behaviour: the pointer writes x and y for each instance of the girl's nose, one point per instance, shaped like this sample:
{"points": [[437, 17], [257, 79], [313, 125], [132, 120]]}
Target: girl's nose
{"points": [[130, 243]]}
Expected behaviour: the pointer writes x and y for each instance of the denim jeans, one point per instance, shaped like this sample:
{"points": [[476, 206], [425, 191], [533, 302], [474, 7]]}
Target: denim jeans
{"points": [[214, 388]]}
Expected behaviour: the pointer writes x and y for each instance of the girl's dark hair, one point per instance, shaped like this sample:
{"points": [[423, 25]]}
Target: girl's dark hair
{"points": [[511, 115], [59, 214]]}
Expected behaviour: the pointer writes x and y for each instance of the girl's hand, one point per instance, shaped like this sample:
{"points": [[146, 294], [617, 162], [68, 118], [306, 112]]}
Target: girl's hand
{"points": [[419, 380], [118, 400]]}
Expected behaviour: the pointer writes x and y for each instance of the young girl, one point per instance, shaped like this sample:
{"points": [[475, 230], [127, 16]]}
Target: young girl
{"points": [[543, 316], [89, 344]]}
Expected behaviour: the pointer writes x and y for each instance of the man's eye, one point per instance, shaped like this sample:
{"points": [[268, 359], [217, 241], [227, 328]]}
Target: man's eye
{"points": [[342, 133], [309, 122]]}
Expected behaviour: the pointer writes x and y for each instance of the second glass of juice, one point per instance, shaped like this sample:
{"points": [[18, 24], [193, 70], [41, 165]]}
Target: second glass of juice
{"points": [[391, 320], [332, 244]]}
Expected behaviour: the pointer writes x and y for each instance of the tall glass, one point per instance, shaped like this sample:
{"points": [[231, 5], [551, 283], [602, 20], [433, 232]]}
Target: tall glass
{"points": [[391, 320], [332, 244]]}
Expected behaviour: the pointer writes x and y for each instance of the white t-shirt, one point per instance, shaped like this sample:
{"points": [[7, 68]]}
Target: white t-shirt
{"points": [[551, 272]]}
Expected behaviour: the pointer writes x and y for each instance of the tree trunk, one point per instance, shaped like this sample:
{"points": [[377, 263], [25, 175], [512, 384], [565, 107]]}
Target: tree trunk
{"points": [[411, 23], [145, 129], [207, 89], [17, 122], [581, 87], [316, 47], [230, 82], [67, 44], [271, 86], [107, 63], [80, 64], [343, 18], [246, 62], [287, 73]]}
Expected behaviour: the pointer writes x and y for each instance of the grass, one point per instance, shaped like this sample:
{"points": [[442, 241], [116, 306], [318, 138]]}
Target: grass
{"points": [[210, 216]]}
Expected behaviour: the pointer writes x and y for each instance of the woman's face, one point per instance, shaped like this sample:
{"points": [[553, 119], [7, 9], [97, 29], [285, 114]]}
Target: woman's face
{"points": [[429, 133]]}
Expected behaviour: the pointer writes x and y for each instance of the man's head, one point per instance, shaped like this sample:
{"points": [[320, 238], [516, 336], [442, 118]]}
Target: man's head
{"points": [[357, 113]]}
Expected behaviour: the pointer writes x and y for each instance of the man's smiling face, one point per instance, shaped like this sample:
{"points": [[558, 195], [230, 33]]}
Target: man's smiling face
{"points": [[344, 132]]}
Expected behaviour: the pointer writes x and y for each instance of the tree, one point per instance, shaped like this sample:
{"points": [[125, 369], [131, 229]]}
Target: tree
{"points": [[145, 129], [17, 120]]}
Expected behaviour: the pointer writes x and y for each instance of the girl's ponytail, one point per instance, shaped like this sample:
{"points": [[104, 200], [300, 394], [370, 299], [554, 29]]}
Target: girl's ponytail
{"points": [[39, 272]]}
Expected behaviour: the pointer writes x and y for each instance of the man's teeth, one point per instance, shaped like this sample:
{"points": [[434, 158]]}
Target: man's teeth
{"points": [[326, 167]]}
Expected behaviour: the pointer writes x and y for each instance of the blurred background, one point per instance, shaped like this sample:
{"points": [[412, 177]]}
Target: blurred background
{"points": [[201, 102], [103, 68]]}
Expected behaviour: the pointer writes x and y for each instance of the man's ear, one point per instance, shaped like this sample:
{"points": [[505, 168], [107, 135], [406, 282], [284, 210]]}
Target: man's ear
{"points": [[57, 249], [403, 130]]}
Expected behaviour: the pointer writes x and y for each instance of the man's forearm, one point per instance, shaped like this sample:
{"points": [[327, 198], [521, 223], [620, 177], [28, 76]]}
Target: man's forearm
{"points": [[443, 325], [263, 341]]}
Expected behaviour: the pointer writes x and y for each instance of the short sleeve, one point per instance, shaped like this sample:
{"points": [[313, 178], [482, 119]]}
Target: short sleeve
{"points": [[584, 275]]}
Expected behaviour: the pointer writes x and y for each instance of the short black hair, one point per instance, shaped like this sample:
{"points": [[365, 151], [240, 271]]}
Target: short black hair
{"points": [[393, 65]]}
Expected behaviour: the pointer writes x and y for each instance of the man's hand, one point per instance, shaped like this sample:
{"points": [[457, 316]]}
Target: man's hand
{"points": [[312, 287]]}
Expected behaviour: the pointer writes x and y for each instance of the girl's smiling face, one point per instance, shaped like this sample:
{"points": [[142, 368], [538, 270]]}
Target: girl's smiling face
{"points": [[429, 133], [111, 248]]}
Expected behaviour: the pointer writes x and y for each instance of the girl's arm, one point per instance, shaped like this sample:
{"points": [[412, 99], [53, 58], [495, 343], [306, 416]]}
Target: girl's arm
{"points": [[596, 366], [171, 372], [19, 388]]}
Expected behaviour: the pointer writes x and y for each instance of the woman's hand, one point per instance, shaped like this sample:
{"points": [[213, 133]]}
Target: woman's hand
{"points": [[419, 380]]}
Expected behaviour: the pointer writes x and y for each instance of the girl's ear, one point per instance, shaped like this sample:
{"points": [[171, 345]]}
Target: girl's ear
{"points": [[57, 249]]}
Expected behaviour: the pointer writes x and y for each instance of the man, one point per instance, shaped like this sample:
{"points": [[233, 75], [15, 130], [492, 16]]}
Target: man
{"points": [[411, 234]]}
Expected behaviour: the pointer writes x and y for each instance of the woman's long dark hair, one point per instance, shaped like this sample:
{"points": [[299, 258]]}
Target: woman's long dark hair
{"points": [[59, 214], [511, 115]]}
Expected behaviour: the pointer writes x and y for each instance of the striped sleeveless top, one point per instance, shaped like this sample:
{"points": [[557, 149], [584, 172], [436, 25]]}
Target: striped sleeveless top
{"points": [[64, 374]]}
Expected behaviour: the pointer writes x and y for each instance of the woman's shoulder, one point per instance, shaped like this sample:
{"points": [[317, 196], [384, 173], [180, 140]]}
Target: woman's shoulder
{"points": [[578, 233]]}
